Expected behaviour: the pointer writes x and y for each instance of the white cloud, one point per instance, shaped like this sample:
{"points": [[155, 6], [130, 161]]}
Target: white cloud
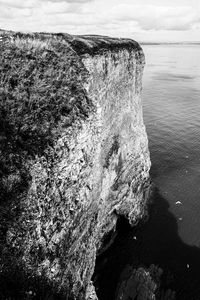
{"points": [[36, 3], [69, 1], [18, 3], [109, 17], [60, 8], [151, 17], [5, 13]]}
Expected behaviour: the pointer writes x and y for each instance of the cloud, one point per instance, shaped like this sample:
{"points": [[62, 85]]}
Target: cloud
{"points": [[5, 13], [150, 17], [69, 1], [36, 3], [51, 7], [18, 3], [10, 12], [109, 17], [60, 8]]}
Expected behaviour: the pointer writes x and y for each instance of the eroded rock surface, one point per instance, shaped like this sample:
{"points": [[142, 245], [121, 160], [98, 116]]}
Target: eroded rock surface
{"points": [[74, 156]]}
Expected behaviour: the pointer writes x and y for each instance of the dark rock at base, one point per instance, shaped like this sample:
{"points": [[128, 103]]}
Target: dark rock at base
{"points": [[142, 284]]}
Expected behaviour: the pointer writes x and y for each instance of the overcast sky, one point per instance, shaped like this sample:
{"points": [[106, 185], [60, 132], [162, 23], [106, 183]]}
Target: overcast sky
{"points": [[143, 20]]}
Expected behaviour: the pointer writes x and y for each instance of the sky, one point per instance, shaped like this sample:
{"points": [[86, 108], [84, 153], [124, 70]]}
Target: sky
{"points": [[142, 20]]}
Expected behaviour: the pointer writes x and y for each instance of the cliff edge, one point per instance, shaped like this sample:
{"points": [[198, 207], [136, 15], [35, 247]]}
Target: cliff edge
{"points": [[74, 157]]}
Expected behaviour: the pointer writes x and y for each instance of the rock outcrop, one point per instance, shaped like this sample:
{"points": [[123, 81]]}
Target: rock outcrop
{"points": [[142, 284], [136, 284], [74, 156]]}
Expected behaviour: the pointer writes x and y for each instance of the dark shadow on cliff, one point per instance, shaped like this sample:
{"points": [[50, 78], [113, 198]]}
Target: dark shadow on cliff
{"points": [[154, 242]]}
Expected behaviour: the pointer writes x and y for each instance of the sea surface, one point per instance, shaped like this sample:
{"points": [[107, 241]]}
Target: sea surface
{"points": [[170, 238], [171, 106]]}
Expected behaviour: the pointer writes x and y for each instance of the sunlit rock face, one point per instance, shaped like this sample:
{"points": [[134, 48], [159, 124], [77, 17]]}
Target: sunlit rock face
{"points": [[68, 174]]}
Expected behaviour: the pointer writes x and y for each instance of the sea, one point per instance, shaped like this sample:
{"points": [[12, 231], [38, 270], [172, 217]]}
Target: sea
{"points": [[170, 239], [171, 106]]}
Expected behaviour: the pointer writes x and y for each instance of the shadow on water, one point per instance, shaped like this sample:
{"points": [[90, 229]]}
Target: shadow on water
{"points": [[154, 242]]}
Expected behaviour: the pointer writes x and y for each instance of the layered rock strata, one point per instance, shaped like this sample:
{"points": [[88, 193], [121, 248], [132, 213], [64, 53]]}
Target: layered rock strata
{"points": [[74, 156]]}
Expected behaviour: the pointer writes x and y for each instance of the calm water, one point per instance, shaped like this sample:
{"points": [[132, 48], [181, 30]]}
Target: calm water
{"points": [[170, 238], [171, 105]]}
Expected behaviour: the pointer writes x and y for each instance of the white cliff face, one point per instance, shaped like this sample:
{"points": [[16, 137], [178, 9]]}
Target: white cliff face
{"points": [[96, 170], [123, 160]]}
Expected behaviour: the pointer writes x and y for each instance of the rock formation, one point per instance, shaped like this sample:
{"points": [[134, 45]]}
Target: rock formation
{"points": [[74, 156]]}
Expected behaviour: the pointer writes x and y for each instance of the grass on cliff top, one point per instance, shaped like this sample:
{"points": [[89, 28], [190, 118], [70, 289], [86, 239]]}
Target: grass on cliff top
{"points": [[40, 83]]}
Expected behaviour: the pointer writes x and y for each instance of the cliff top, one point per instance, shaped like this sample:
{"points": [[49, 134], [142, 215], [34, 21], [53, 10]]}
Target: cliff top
{"points": [[82, 44], [95, 44]]}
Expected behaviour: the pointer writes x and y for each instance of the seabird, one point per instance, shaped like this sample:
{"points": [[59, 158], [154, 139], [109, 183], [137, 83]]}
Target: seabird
{"points": [[178, 202]]}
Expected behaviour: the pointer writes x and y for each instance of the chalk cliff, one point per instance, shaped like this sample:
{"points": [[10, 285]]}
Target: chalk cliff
{"points": [[74, 157]]}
